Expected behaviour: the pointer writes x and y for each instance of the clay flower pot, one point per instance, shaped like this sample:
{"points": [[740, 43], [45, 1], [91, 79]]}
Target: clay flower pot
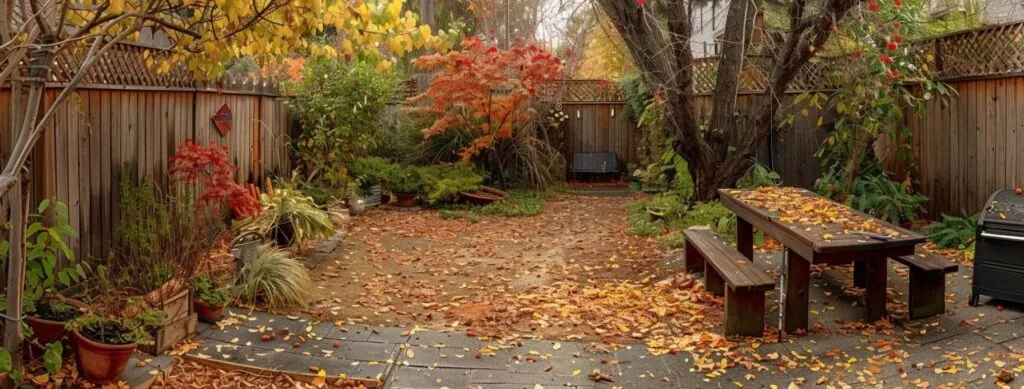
{"points": [[208, 313], [101, 363], [406, 199], [46, 331]]}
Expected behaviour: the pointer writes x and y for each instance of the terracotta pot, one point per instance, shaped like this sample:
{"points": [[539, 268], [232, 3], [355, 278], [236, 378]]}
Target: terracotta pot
{"points": [[101, 363], [46, 331], [406, 199], [208, 313]]}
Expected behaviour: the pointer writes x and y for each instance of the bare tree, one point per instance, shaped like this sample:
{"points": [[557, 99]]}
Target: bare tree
{"points": [[658, 34]]}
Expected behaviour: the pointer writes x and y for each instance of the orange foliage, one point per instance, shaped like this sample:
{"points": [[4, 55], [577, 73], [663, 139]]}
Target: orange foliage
{"points": [[483, 89]]}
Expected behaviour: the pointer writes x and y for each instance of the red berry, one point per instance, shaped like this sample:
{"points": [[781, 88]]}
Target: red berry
{"points": [[266, 338], [284, 332], [897, 3], [873, 6], [892, 45], [897, 38], [337, 344], [857, 53], [896, 25], [884, 59]]}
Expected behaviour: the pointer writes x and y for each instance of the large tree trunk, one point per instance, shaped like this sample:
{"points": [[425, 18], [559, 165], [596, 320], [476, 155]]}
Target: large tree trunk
{"points": [[662, 54]]}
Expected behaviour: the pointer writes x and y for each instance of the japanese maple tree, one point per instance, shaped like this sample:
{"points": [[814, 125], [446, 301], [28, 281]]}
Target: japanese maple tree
{"points": [[483, 89], [212, 167]]}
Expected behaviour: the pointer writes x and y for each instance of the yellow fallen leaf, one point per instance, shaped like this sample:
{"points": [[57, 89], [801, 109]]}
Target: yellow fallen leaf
{"points": [[576, 372], [321, 379]]}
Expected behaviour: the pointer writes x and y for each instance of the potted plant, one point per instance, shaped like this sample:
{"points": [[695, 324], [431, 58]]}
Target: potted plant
{"points": [[370, 172], [405, 184], [289, 216], [211, 297], [104, 346], [44, 243], [636, 182], [46, 320]]}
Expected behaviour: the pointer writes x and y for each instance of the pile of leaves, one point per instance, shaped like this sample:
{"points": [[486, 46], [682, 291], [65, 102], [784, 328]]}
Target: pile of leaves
{"points": [[669, 316], [797, 206]]}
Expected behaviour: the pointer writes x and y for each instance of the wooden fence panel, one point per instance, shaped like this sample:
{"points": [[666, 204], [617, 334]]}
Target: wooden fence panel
{"points": [[599, 127], [97, 132]]}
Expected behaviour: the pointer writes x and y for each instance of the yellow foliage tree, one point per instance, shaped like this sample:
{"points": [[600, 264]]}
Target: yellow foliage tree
{"points": [[203, 36], [605, 56]]}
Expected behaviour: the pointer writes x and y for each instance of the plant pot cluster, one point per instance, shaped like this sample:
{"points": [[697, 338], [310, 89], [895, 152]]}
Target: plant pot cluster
{"points": [[102, 349]]}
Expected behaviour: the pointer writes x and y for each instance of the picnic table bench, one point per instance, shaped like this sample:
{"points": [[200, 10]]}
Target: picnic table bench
{"points": [[927, 282], [729, 273], [828, 243]]}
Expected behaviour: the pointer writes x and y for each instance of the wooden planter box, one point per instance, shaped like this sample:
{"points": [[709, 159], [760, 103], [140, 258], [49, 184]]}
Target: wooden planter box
{"points": [[180, 322]]}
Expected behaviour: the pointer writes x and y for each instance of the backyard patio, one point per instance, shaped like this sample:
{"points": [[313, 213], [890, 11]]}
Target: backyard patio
{"points": [[451, 303], [527, 194]]}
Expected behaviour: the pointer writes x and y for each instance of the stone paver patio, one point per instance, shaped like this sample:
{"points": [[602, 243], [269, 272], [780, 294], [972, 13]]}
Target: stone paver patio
{"points": [[965, 348]]}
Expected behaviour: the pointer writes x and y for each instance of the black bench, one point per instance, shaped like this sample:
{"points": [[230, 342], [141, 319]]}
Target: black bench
{"points": [[596, 163], [728, 272], [927, 282]]}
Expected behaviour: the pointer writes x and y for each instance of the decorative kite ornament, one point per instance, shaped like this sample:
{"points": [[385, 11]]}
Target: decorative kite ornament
{"points": [[222, 120]]}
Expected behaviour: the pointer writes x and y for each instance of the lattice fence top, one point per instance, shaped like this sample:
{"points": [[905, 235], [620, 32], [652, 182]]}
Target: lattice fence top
{"points": [[581, 91], [985, 52], [125, 66], [990, 51]]}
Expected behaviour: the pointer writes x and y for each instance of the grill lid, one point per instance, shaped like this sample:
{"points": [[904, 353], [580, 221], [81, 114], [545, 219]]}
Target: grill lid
{"points": [[1004, 207]]}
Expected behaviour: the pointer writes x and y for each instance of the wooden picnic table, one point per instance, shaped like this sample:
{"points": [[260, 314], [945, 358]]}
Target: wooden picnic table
{"points": [[829, 235]]}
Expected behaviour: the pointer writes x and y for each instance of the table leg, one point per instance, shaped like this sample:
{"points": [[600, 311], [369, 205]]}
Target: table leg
{"points": [[875, 279], [798, 278], [859, 277], [745, 238]]}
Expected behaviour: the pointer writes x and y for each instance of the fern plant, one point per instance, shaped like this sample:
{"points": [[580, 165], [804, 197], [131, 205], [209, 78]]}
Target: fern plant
{"points": [[954, 232], [886, 199], [443, 182]]}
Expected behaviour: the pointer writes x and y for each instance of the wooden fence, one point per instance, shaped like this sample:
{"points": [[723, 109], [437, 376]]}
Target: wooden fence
{"points": [[964, 148], [105, 127]]}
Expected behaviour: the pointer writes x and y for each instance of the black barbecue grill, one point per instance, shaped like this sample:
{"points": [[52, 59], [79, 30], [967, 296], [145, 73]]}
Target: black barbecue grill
{"points": [[999, 251]]}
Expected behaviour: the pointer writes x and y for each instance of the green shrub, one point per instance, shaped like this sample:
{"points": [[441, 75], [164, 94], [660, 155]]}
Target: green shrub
{"points": [[520, 202], [637, 94], [442, 183], [404, 179], [211, 290], [886, 199], [640, 221], [759, 176], [338, 105], [711, 214], [291, 206], [675, 240], [371, 170], [276, 279], [667, 205], [954, 232]]}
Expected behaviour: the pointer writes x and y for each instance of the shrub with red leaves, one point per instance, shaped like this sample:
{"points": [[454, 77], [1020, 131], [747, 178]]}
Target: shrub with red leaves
{"points": [[212, 168]]}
